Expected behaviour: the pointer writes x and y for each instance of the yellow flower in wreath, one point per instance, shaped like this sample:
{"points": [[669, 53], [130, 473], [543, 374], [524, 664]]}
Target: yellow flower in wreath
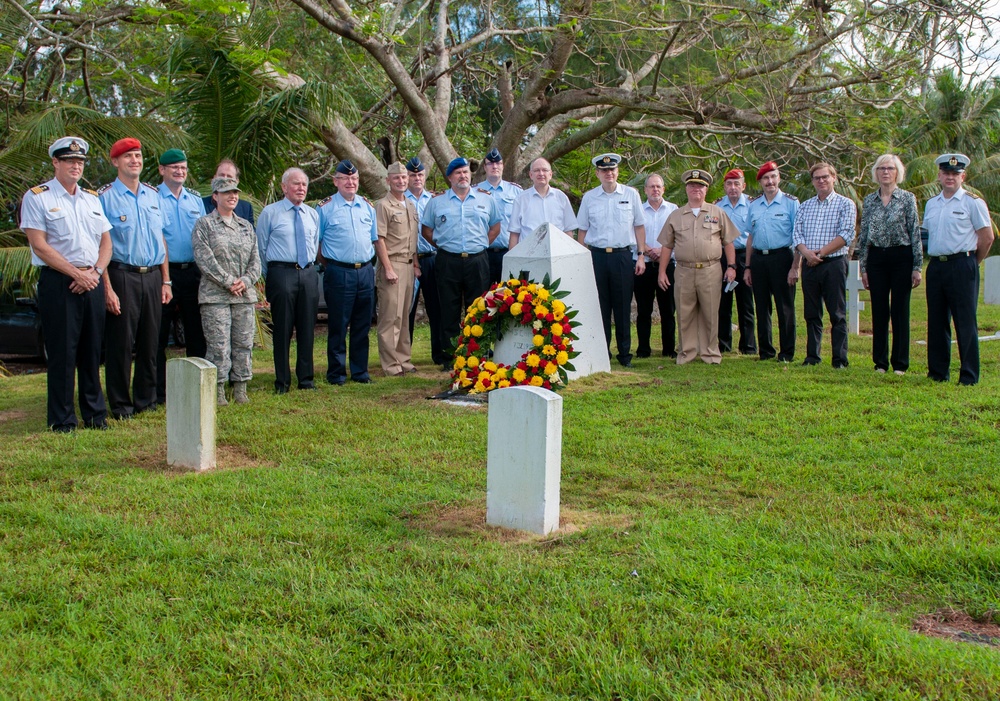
{"points": [[467, 330], [490, 366], [521, 295], [543, 294], [459, 363], [538, 340], [562, 357], [533, 360], [481, 304], [473, 361], [476, 330], [515, 309], [536, 381], [557, 329], [558, 316], [550, 368], [513, 282], [549, 350], [500, 374], [519, 375], [503, 383], [558, 306]]}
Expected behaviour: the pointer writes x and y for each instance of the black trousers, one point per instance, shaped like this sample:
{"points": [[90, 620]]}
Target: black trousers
{"points": [[459, 282], [350, 297], [645, 291], [185, 304], [496, 263], [73, 327], [890, 283], [744, 311], [428, 289], [826, 285], [770, 282], [952, 294], [294, 298], [138, 327], [614, 274]]}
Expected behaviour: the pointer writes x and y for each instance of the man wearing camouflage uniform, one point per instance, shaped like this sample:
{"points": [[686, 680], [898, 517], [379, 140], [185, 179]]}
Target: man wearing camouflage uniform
{"points": [[225, 249]]}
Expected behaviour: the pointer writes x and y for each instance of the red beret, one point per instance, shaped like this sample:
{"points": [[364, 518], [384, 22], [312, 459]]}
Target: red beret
{"points": [[124, 145], [734, 174], [766, 168]]}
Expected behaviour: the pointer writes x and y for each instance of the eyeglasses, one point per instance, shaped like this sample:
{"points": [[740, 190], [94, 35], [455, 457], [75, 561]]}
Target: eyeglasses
{"points": [[886, 169], [822, 177]]}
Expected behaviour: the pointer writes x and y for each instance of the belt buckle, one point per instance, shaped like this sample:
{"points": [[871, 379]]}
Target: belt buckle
{"points": [[699, 266], [943, 259], [357, 266], [609, 250], [143, 269], [464, 255]]}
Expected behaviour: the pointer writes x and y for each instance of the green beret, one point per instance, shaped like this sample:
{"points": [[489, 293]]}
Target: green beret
{"points": [[171, 156]]}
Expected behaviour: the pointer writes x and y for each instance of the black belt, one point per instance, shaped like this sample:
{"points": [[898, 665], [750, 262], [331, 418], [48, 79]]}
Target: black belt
{"points": [[115, 265], [352, 266], [953, 256], [768, 251], [181, 266], [741, 249], [460, 255], [421, 256], [609, 250], [296, 266]]}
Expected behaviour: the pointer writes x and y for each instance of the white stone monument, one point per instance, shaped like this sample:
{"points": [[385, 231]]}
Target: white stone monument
{"points": [[991, 281], [524, 457], [549, 251], [191, 413], [854, 303]]}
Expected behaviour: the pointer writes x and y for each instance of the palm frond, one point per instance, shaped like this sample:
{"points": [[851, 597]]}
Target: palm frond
{"points": [[16, 270]]}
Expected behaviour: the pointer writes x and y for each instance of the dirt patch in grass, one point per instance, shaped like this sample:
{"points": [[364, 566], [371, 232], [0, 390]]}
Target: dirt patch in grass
{"points": [[465, 520], [958, 626], [13, 415], [227, 457]]}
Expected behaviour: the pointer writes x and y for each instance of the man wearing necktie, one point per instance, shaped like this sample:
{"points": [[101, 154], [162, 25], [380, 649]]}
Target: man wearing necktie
{"points": [[288, 238]]}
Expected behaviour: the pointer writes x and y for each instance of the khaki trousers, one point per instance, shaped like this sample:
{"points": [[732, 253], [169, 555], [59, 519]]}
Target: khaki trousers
{"points": [[394, 302], [697, 293]]}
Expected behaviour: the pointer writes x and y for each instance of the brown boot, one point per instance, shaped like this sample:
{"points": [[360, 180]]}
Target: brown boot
{"points": [[240, 393], [221, 401]]}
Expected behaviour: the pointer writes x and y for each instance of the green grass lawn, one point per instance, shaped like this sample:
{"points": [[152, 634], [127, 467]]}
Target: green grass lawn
{"points": [[754, 530]]}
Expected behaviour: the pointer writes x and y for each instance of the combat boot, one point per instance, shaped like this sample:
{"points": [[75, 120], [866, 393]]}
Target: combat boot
{"points": [[222, 395], [240, 393]]}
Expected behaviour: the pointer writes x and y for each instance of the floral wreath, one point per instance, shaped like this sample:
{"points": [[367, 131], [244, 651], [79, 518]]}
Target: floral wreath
{"points": [[520, 302]]}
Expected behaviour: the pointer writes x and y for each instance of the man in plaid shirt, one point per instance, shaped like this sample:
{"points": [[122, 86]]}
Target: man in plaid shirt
{"points": [[824, 229]]}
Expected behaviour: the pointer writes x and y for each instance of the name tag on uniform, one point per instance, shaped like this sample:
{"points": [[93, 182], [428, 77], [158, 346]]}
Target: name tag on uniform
{"points": [[481, 207], [623, 201], [779, 214]]}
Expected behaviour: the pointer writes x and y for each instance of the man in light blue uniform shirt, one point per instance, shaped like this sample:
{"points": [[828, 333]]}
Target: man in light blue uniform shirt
{"points": [[959, 236], [136, 284], [347, 233], [180, 208], [772, 266], [461, 223], [504, 193], [736, 205], [426, 285], [288, 240], [610, 222]]}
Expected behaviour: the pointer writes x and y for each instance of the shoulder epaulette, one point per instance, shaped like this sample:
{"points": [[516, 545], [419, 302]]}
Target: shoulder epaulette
{"points": [[323, 202], [89, 191], [719, 201], [365, 200], [151, 188], [793, 198], [973, 195], [485, 192], [104, 188], [751, 198], [39, 189], [193, 192]]}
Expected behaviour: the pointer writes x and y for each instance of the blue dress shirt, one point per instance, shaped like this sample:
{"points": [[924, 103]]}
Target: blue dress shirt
{"points": [[461, 226], [771, 223], [347, 230], [505, 193], [136, 224], [276, 233], [423, 245], [739, 214], [179, 216]]}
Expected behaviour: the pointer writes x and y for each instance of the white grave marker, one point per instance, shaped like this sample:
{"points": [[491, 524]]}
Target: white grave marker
{"points": [[191, 413], [549, 251], [854, 303], [524, 457], [991, 283]]}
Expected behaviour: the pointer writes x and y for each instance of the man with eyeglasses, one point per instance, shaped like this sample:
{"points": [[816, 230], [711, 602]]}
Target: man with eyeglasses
{"points": [[71, 244], [823, 231], [540, 204], [347, 234], [180, 208]]}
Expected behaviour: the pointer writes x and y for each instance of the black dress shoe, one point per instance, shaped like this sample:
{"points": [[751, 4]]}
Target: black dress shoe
{"points": [[362, 380], [642, 354], [101, 425], [339, 382], [669, 354], [810, 362], [63, 429], [307, 387], [839, 366], [626, 364], [121, 417]]}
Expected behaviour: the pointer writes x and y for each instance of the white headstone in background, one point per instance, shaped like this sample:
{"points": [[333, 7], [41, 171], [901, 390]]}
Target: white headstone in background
{"points": [[524, 457], [854, 303], [191, 397], [991, 281], [549, 251]]}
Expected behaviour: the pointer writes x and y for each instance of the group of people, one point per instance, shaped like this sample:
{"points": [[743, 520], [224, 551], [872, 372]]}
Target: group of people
{"points": [[118, 264]]}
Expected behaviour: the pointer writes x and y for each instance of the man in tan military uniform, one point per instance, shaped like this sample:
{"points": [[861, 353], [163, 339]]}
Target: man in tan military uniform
{"points": [[697, 234], [396, 248]]}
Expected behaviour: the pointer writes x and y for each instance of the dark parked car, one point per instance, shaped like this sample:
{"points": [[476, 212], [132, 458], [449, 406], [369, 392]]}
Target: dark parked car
{"points": [[20, 326]]}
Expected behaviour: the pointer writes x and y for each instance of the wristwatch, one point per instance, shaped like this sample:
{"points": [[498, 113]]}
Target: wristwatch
{"points": [[168, 283], [99, 270], [731, 266]]}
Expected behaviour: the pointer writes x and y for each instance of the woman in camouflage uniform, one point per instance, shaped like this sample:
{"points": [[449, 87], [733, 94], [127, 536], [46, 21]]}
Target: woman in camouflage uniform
{"points": [[225, 249]]}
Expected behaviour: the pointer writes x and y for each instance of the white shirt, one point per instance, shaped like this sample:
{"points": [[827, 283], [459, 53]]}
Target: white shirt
{"points": [[655, 219], [952, 223], [610, 218], [73, 224], [531, 210]]}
